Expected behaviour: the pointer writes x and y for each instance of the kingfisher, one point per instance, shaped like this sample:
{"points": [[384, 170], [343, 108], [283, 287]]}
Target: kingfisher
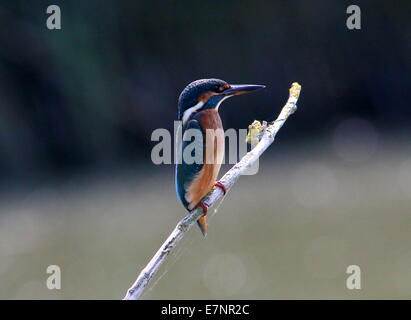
{"points": [[198, 106]]}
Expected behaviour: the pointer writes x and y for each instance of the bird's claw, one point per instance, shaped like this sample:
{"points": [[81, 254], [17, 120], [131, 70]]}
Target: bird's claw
{"points": [[221, 186], [204, 207]]}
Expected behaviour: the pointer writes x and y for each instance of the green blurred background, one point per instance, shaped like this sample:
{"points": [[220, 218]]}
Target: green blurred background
{"points": [[78, 188]]}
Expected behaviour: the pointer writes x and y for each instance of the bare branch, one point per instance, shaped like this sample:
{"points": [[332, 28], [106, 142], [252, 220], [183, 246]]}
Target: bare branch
{"points": [[265, 134]]}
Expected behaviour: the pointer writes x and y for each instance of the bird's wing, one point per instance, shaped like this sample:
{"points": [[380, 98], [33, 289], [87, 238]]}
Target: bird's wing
{"points": [[186, 170]]}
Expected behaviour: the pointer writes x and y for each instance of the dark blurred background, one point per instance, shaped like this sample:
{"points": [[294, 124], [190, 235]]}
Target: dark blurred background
{"points": [[78, 106]]}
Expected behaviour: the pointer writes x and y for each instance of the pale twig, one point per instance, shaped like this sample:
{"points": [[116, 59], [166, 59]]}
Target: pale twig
{"points": [[265, 134]]}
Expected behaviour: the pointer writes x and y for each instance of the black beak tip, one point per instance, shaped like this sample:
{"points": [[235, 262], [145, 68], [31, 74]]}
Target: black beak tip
{"points": [[260, 86], [255, 87]]}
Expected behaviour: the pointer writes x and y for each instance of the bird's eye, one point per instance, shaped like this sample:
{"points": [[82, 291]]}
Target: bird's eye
{"points": [[220, 89]]}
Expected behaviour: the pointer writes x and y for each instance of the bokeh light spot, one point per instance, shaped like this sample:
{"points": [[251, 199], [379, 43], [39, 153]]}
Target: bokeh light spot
{"points": [[314, 185], [224, 274], [355, 140]]}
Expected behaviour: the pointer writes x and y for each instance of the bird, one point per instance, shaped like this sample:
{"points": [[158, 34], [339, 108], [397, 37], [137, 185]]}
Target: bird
{"points": [[198, 113]]}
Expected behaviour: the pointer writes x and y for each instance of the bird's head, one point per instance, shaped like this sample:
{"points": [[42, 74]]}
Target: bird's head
{"points": [[208, 94]]}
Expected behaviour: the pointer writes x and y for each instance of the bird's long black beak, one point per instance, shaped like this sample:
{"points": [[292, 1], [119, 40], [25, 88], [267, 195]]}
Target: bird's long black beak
{"points": [[236, 89]]}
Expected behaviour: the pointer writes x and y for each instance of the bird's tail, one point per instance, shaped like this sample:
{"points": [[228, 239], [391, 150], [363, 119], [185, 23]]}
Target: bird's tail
{"points": [[202, 224]]}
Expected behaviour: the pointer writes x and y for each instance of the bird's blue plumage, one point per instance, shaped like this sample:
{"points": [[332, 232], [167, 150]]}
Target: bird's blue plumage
{"points": [[186, 172]]}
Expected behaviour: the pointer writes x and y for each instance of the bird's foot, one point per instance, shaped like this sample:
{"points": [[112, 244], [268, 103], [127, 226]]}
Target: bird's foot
{"points": [[202, 221], [203, 206], [221, 186]]}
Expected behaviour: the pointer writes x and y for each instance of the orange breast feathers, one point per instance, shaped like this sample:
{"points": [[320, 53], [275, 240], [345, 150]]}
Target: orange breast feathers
{"points": [[213, 154]]}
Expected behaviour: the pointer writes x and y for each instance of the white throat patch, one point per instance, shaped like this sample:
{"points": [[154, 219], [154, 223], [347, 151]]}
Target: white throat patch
{"points": [[218, 104], [189, 111]]}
